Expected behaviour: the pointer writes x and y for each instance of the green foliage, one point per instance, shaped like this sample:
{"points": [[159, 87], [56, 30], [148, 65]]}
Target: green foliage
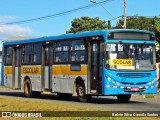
{"points": [[157, 24], [87, 24], [149, 96], [109, 25], [141, 23]]}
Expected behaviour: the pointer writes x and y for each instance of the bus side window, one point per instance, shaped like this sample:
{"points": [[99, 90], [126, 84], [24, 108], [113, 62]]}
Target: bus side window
{"points": [[8, 56], [23, 51], [37, 50], [62, 51], [27, 54], [78, 51]]}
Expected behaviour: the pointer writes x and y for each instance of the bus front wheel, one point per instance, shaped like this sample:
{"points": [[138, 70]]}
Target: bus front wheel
{"points": [[81, 93], [124, 98]]}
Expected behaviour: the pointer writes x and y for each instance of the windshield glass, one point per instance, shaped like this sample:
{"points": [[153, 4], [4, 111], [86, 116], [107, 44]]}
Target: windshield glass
{"points": [[130, 56]]}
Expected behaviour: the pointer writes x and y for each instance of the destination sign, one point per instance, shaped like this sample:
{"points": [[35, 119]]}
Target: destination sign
{"points": [[121, 62]]}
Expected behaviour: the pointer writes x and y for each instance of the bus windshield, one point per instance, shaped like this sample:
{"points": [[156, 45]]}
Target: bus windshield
{"points": [[122, 56]]}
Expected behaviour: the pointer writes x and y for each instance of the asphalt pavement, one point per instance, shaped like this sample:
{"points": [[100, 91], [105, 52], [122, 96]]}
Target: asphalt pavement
{"points": [[105, 103]]}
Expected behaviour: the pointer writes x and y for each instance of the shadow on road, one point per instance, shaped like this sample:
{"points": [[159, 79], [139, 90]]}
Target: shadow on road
{"points": [[95, 100]]}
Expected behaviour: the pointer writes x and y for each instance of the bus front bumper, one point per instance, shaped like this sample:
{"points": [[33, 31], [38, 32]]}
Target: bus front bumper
{"points": [[113, 90]]}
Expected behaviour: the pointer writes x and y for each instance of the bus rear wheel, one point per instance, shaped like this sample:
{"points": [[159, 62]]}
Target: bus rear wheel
{"points": [[124, 98], [28, 90], [82, 97]]}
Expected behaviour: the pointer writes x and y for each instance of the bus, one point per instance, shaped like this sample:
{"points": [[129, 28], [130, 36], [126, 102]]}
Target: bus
{"points": [[117, 62]]}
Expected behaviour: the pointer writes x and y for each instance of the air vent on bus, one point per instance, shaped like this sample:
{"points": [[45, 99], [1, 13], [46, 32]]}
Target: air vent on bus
{"points": [[133, 75], [128, 83]]}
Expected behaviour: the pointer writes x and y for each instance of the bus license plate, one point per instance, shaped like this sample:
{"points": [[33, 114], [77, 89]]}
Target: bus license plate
{"points": [[134, 89]]}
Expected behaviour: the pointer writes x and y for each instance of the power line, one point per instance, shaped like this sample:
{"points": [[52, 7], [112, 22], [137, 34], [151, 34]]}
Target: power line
{"points": [[134, 16], [116, 18], [57, 14], [94, 1]]}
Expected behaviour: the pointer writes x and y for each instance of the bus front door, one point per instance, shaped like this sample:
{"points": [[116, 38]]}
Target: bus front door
{"points": [[96, 67], [17, 68], [48, 60]]}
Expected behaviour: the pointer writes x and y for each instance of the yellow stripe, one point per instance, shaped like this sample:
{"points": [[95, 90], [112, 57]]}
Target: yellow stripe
{"points": [[8, 70], [65, 70], [31, 70], [46, 92]]}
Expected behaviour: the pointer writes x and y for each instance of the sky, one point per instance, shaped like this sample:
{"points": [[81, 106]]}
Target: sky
{"points": [[19, 10]]}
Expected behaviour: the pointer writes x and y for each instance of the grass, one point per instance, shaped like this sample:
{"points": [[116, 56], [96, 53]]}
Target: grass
{"points": [[12, 104], [7, 104], [149, 96]]}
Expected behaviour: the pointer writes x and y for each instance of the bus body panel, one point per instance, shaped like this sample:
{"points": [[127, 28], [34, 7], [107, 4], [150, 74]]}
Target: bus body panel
{"points": [[70, 36], [17, 80], [63, 78], [8, 82], [33, 72], [48, 77]]}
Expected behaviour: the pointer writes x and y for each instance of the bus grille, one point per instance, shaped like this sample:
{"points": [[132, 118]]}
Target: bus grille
{"points": [[134, 75], [140, 83]]}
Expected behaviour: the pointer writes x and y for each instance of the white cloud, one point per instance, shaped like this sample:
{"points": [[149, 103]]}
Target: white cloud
{"points": [[4, 19], [14, 30]]}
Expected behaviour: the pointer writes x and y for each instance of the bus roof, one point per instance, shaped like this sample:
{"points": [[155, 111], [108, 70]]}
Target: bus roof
{"points": [[70, 35]]}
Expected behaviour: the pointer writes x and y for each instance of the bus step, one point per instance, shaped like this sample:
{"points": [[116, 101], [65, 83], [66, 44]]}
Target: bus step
{"points": [[46, 92]]}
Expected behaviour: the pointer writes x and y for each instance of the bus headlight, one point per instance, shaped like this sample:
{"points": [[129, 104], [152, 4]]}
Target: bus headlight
{"points": [[118, 84], [113, 82], [109, 79], [153, 81]]}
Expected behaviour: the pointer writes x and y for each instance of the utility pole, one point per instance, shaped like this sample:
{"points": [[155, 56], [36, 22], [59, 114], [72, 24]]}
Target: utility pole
{"points": [[125, 18]]}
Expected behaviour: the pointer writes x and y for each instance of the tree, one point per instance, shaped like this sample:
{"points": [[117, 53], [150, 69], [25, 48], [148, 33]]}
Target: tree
{"points": [[157, 24], [109, 24], [142, 23], [87, 24]]}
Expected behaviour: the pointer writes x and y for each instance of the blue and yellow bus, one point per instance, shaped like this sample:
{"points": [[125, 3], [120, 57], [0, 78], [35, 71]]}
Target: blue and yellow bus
{"points": [[94, 63]]}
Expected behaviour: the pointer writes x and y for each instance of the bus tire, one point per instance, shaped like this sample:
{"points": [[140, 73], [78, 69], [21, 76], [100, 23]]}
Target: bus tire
{"points": [[82, 97], [27, 88], [124, 98]]}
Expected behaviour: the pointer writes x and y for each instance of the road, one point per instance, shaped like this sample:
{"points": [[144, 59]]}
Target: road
{"points": [[137, 102]]}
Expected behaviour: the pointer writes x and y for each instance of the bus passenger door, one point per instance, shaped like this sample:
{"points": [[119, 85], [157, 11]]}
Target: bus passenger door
{"points": [[48, 54], [96, 67], [17, 68]]}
